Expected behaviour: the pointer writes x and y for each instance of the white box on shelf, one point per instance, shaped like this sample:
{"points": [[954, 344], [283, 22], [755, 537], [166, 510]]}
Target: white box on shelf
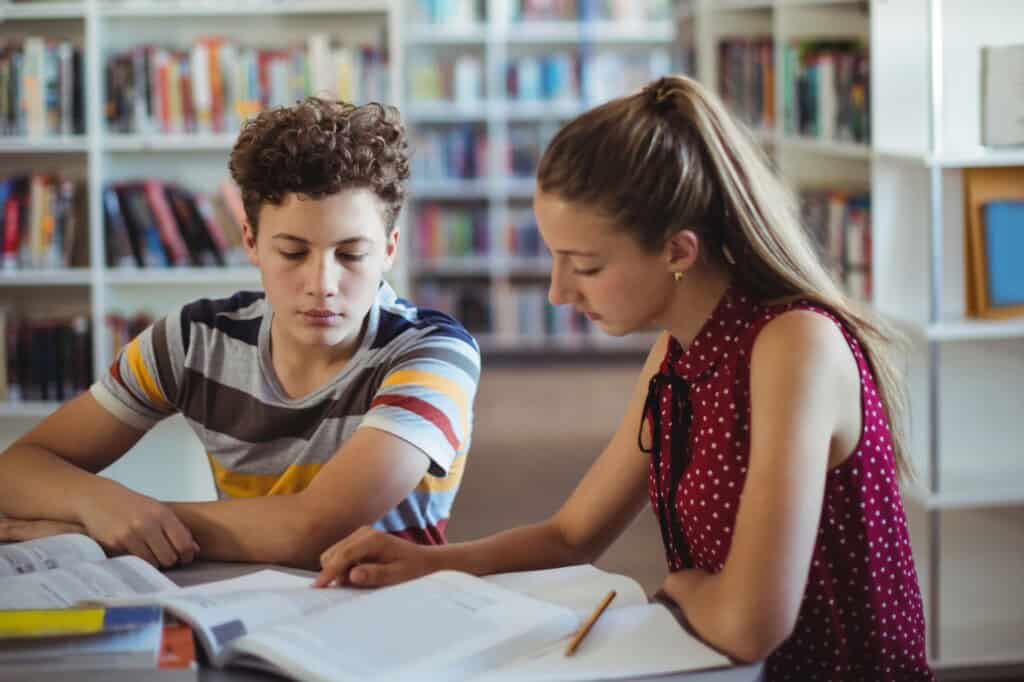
{"points": [[1002, 95]]}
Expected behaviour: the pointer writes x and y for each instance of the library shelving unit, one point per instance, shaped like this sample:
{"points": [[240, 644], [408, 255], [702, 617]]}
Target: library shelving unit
{"points": [[197, 162], [965, 430], [964, 372], [506, 283]]}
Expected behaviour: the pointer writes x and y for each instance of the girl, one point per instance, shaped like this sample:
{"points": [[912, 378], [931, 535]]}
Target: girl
{"points": [[760, 425]]}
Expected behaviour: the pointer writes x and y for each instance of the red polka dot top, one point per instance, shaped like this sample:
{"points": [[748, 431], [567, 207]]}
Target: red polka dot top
{"points": [[862, 617]]}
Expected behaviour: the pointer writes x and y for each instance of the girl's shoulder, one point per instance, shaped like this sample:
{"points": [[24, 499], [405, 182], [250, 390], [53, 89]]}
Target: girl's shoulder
{"points": [[799, 323]]}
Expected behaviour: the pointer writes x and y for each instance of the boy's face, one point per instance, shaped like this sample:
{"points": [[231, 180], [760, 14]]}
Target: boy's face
{"points": [[321, 262]]}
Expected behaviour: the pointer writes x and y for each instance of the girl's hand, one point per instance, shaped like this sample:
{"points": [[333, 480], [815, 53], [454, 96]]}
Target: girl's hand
{"points": [[371, 558], [19, 530]]}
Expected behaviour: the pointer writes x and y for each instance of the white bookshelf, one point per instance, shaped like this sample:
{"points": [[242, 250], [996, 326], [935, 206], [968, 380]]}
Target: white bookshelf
{"points": [[197, 162], [963, 373], [45, 277], [496, 38], [28, 410], [967, 429], [41, 10], [44, 145]]}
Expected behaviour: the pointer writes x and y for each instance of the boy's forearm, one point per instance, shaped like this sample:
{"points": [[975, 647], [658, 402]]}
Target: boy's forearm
{"points": [[37, 484], [273, 529]]}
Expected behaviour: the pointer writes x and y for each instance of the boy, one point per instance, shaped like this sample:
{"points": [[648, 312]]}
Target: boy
{"points": [[324, 402]]}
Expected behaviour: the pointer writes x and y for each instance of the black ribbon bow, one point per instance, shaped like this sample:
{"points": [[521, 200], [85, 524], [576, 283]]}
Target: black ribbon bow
{"points": [[682, 416]]}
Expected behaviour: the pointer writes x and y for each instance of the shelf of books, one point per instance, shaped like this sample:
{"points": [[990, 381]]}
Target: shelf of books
{"points": [[482, 106], [116, 120]]}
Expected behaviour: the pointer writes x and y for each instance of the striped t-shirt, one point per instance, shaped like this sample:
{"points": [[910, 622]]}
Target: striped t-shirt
{"points": [[414, 375]]}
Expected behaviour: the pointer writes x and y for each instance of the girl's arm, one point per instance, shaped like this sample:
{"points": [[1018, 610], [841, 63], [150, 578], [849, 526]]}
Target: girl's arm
{"points": [[803, 381], [603, 504]]}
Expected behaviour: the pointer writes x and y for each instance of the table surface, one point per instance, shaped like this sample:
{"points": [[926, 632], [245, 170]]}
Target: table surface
{"points": [[203, 572]]}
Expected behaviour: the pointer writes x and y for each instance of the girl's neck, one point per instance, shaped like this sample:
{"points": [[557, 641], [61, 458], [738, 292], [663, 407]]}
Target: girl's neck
{"points": [[696, 299]]}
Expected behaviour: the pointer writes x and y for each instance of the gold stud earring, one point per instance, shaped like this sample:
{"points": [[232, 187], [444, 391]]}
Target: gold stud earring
{"points": [[678, 275]]}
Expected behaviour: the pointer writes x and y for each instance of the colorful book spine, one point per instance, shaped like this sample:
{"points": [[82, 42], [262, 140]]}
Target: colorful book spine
{"points": [[30, 623]]}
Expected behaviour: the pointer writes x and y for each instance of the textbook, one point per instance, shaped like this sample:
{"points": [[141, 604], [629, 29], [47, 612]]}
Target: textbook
{"points": [[443, 626], [64, 570], [82, 639]]}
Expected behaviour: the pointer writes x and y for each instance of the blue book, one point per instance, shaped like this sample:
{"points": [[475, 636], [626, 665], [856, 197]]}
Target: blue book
{"points": [[1004, 249]]}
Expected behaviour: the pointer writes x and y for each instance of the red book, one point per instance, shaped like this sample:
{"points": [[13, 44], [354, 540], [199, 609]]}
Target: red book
{"points": [[170, 233], [12, 232]]}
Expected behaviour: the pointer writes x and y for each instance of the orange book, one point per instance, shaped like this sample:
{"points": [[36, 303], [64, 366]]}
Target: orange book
{"points": [[178, 648], [216, 82]]}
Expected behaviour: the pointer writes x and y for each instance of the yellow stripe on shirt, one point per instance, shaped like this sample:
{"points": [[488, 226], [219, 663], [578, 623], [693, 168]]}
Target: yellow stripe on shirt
{"points": [[439, 383], [294, 479], [297, 478], [133, 353]]}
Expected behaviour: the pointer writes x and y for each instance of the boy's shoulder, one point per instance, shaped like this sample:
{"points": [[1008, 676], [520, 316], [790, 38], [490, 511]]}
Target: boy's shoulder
{"points": [[401, 320], [239, 316]]}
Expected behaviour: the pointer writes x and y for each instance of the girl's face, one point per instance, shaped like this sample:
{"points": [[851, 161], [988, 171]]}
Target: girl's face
{"points": [[601, 270], [321, 262]]}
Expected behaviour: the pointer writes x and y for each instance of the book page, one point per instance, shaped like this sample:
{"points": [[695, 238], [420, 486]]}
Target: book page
{"points": [[220, 615], [443, 626], [43, 554], [266, 579], [580, 588], [89, 581], [629, 642], [222, 610]]}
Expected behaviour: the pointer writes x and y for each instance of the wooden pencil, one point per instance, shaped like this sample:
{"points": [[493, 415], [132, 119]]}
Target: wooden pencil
{"points": [[585, 628]]}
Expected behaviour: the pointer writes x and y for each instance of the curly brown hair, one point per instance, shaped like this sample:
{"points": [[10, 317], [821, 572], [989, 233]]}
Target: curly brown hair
{"points": [[319, 147]]}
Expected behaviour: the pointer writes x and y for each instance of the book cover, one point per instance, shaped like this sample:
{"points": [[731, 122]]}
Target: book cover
{"points": [[1004, 244], [31, 623]]}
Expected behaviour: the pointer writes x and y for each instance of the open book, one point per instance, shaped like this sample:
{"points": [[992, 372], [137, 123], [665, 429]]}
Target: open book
{"points": [[64, 570], [447, 625]]}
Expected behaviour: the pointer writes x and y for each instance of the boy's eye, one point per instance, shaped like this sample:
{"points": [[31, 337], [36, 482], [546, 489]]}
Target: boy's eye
{"points": [[293, 255], [586, 272]]}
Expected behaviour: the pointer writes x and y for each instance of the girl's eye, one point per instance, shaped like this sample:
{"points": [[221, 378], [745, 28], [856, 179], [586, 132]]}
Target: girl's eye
{"points": [[352, 256], [293, 255]]}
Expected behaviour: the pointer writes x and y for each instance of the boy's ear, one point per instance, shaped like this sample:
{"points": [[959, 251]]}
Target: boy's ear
{"points": [[249, 242], [391, 248], [682, 250]]}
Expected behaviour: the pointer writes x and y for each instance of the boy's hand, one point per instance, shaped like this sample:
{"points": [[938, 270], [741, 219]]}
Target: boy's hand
{"points": [[371, 558], [19, 530], [130, 523]]}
